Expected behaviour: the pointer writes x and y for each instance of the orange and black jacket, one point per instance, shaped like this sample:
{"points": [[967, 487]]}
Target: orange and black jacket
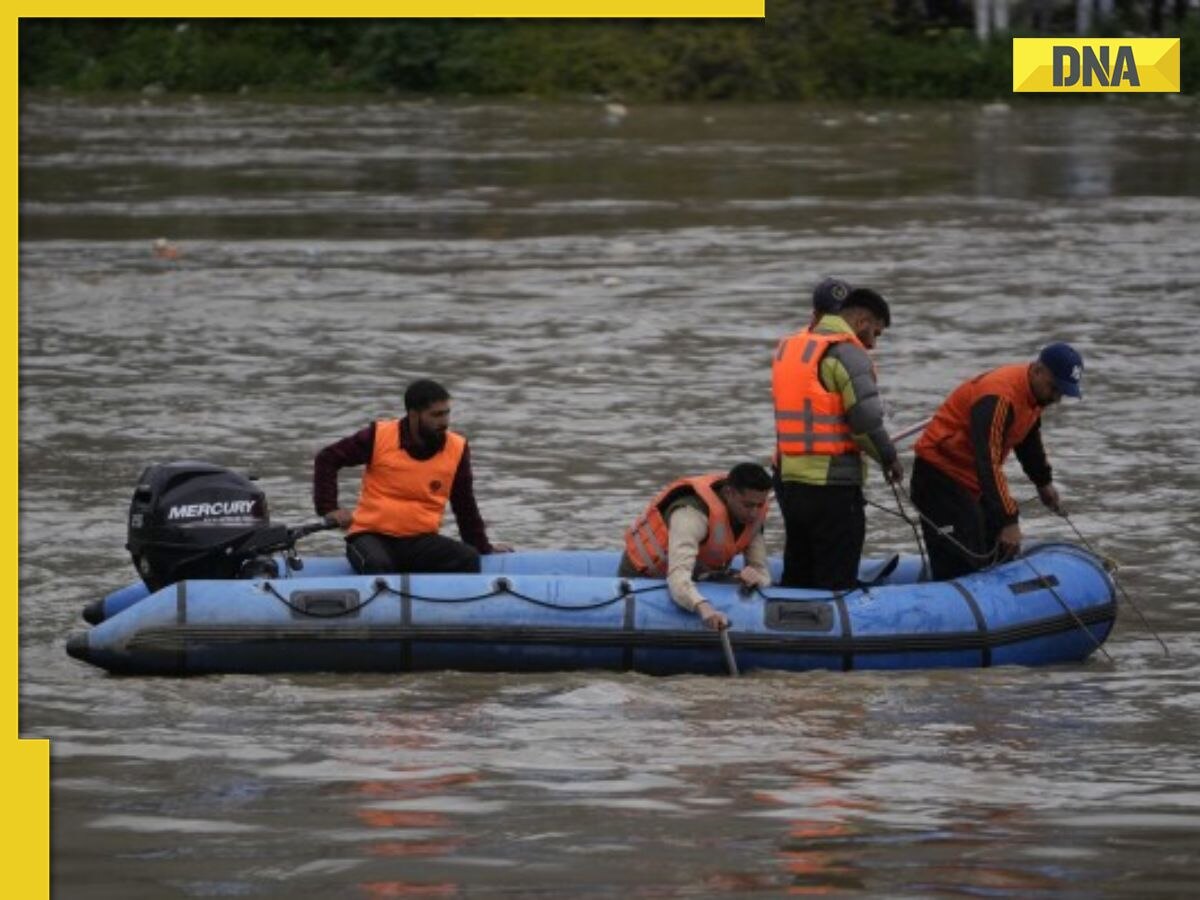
{"points": [[970, 437]]}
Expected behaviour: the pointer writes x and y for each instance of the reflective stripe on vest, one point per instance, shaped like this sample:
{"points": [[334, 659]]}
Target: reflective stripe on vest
{"points": [[402, 496], [946, 440], [809, 419], [647, 539]]}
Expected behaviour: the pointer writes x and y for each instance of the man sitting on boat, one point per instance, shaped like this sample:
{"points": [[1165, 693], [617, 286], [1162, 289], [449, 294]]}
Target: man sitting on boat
{"points": [[694, 527], [414, 466], [958, 480]]}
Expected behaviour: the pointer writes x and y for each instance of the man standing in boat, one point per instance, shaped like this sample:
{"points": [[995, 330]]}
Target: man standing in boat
{"points": [[414, 466], [828, 413], [958, 480], [828, 297], [694, 528]]}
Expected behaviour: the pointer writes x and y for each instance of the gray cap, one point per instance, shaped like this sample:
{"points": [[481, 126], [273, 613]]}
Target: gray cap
{"points": [[829, 294]]}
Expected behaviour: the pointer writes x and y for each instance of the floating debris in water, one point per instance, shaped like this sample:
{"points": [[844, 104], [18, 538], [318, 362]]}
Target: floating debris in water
{"points": [[164, 249]]}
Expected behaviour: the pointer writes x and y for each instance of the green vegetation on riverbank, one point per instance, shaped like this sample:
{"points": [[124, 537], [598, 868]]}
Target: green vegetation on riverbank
{"points": [[807, 49]]}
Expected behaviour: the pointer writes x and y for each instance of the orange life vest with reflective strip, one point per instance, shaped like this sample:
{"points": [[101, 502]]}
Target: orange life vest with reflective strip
{"points": [[647, 539], [403, 496], [809, 420], [946, 440]]}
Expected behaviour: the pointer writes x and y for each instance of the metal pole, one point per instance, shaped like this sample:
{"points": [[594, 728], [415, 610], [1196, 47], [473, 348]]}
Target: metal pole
{"points": [[910, 431], [730, 660], [1112, 568]]}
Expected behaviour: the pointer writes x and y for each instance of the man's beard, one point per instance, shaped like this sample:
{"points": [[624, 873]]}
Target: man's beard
{"points": [[432, 437]]}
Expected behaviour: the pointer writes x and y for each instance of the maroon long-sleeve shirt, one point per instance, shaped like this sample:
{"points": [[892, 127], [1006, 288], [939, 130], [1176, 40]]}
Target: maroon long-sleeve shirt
{"points": [[356, 450]]}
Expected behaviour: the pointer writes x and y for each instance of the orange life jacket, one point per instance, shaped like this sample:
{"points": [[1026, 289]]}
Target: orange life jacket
{"points": [[946, 440], [646, 540], [403, 496], [809, 420]]}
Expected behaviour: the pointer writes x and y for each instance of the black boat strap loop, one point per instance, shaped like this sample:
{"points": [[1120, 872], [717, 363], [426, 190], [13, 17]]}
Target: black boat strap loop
{"points": [[406, 646], [985, 660], [847, 633], [629, 622]]}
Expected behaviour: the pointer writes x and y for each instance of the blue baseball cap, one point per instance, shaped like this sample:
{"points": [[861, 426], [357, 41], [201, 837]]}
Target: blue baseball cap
{"points": [[1066, 365], [829, 294]]}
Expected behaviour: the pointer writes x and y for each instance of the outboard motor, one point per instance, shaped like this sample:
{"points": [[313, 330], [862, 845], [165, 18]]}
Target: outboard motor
{"points": [[195, 520]]}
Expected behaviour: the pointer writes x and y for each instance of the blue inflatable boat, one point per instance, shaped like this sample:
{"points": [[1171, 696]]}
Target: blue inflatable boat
{"points": [[564, 610]]}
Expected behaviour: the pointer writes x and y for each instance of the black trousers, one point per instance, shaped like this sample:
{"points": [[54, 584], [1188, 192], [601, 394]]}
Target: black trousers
{"points": [[826, 526], [382, 554], [956, 513]]}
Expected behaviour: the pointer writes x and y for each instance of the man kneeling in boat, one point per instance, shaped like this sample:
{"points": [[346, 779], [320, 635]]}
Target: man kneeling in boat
{"points": [[967, 513], [413, 466], [694, 528]]}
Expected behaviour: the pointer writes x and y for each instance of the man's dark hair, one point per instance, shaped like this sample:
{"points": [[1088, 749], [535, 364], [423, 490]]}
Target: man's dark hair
{"points": [[422, 394], [865, 298], [749, 477]]}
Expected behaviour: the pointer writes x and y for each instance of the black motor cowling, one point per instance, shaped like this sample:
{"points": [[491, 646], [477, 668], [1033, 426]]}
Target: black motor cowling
{"points": [[192, 519]]}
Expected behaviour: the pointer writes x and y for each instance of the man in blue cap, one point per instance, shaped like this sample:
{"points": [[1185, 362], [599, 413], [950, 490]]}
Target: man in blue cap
{"points": [[958, 480]]}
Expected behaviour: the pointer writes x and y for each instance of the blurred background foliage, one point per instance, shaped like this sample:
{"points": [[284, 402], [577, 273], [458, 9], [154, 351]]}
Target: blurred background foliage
{"points": [[805, 49]]}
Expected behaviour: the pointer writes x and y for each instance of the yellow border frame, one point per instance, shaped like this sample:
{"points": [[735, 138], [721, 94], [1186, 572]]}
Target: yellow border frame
{"points": [[439, 9], [26, 763]]}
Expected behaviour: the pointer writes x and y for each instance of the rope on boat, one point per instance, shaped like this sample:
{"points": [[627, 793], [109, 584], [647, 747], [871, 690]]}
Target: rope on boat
{"points": [[1120, 587], [986, 560], [299, 610], [1111, 566], [992, 558], [501, 587], [1063, 603], [925, 565]]}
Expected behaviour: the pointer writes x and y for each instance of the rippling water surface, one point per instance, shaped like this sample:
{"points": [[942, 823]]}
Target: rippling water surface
{"points": [[602, 298]]}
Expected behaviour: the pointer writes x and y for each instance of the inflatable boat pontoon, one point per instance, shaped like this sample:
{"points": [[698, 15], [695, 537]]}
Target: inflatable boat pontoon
{"points": [[567, 610]]}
